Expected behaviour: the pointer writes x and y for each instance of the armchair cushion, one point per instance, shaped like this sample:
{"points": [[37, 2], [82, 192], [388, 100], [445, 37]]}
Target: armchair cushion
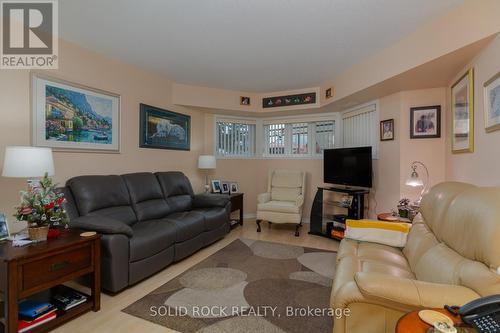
{"points": [[279, 207], [264, 197], [285, 193], [101, 224], [399, 292], [210, 200]]}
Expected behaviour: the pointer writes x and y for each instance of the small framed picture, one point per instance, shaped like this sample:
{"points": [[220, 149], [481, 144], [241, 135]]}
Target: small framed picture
{"points": [[234, 188], [4, 227], [216, 186], [387, 130], [425, 122], [492, 103], [244, 100], [328, 93], [225, 187]]}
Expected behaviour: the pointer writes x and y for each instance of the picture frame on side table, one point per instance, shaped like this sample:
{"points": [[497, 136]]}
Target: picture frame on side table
{"points": [[387, 130], [462, 114], [492, 103], [72, 117], [4, 227], [225, 187], [216, 186], [425, 122], [163, 129], [234, 188]]}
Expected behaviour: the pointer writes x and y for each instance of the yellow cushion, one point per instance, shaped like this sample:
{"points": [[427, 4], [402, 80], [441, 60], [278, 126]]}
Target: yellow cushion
{"points": [[387, 233]]}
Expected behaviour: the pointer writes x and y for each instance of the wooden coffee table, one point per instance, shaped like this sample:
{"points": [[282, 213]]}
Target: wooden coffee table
{"points": [[411, 322], [36, 270]]}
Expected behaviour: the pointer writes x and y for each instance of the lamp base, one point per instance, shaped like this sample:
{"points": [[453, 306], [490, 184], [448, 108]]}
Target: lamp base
{"points": [[207, 188]]}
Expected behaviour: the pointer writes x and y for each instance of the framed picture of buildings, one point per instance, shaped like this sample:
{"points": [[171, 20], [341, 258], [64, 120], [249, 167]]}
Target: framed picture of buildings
{"points": [[69, 116], [462, 112], [492, 103], [163, 129]]}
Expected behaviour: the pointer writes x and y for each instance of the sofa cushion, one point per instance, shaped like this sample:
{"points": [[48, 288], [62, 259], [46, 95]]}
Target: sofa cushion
{"points": [[214, 217], [285, 193], [102, 195], [372, 251], [279, 206], [287, 178], [176, 189], [188, 224], [146, 196], [151, 237]]}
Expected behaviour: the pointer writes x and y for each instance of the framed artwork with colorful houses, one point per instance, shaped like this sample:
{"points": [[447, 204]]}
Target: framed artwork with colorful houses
{"points": [[289, 100]]}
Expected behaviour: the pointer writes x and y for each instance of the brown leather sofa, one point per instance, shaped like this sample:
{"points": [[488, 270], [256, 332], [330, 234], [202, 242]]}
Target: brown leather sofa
{"points": [[147, 221], [451, 257]]}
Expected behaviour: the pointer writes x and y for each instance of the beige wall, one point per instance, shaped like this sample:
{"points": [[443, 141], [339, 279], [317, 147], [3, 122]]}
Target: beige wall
{"points": [[480, 167], [135, 86]]}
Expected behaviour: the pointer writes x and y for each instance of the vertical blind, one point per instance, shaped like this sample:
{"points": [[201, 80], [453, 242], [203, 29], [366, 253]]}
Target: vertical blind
{"points": [[235, 139], [360, 128]]}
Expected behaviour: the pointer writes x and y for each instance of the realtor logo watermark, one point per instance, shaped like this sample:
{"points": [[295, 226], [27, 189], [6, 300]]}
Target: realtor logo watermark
{"points": [[29, 34]]}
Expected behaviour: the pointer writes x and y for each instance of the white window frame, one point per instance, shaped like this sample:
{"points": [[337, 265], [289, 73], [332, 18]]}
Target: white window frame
{"points": [[260, 146]]}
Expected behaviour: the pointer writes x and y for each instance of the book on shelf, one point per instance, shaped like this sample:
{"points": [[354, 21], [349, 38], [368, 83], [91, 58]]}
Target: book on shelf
{"points": [[30, 310], [67, 298], [23, 325]]}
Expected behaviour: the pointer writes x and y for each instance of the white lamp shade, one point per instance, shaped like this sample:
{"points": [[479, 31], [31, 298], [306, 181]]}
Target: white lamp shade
{"points": [[415, 182], [27, 162], [206, 162]]}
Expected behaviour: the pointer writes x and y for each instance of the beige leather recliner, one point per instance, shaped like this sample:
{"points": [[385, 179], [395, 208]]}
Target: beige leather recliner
{"points": [[283, 201], [451, 257]]}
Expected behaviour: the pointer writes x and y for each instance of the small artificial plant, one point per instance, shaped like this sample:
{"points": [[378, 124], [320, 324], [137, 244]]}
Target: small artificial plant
{"points": [[404, 202], [42, 205]]}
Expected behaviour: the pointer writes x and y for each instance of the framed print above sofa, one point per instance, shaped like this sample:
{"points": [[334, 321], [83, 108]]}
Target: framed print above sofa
{"points": [[70, 116], [163, 129], [462, 114], [492, 103]]}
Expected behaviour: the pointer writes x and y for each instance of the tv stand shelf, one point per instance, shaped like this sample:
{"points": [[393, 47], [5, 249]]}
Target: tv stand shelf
{"points": [[355, 211]]}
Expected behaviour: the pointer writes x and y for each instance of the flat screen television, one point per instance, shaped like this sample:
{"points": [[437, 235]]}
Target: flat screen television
{"points": [[348, 166]]}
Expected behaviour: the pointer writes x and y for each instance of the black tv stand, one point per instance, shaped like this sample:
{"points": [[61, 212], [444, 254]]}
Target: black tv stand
{"points": [[355, 211]]}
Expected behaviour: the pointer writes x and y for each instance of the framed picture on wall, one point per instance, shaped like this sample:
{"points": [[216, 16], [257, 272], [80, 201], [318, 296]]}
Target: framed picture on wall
{"points": [[163, 129], [492, 103], [244, 100], [462, 112], [425, 122], [70, 116], [387, 130]]}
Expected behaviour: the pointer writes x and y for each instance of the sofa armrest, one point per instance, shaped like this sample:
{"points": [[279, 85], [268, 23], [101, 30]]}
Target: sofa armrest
{"points": [[264, 197], [101, 224], [402, 293], [210, 200], [299, 201]]}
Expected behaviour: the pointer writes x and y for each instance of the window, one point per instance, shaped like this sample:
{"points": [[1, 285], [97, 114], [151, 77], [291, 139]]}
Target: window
{"points": [[298, 139], [235, 139], [325, 135]]}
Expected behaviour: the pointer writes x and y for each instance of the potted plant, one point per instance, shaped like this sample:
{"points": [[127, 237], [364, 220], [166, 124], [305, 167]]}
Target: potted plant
{"points": [[404, 208], [41, 207]]}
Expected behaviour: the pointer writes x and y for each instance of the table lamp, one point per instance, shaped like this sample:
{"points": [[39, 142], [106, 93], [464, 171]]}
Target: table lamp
{"points": [[206, 162], [415, 181], [27, 162]]}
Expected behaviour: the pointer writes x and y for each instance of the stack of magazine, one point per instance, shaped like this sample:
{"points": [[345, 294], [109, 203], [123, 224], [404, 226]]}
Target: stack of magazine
{"points": [[33, 313], [67, 298]]}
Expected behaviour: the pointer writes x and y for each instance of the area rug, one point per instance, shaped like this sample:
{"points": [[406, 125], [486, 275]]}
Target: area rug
{"points": [[248, 286]]}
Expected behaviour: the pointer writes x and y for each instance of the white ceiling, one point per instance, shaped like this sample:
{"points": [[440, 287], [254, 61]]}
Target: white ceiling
{"points": [[249, 45]]}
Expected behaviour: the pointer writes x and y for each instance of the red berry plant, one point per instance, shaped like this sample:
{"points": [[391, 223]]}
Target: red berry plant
{"points": [[42, 205]]}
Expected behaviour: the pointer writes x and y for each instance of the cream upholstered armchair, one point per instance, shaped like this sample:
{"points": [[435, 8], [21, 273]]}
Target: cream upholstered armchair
{"points": [[283, 201]]}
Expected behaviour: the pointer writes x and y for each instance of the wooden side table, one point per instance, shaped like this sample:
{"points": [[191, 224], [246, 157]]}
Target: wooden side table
{"points": [[411, 323], [39, 268], [237, 204], [388, 217]]}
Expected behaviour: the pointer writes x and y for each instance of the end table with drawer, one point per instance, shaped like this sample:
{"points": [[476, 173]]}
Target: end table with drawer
{"points": [[38, 269]]}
